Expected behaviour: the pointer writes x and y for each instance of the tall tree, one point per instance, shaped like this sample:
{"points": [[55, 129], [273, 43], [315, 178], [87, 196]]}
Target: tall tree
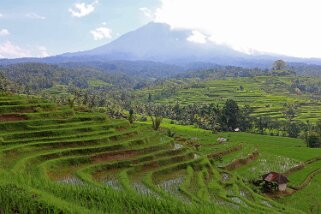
{"points": [[289, 111], [155, 113], [313, 140], [131, 116], [279, 65], [3, 83], [246, 120], [262, 123], [293, 129], [230, 115]]}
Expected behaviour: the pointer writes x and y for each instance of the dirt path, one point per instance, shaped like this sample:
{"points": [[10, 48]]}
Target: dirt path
{"points": [[301, 166], [225, 152], [307, 180], [115, 156], [242, 161], [293, 189], [11, 117]]}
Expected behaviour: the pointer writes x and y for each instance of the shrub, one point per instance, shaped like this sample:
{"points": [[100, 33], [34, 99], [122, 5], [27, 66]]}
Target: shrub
{"points": [[101, 110], [170, 133], [156, 122], [131, 116], [38, 109], [314, 141]]}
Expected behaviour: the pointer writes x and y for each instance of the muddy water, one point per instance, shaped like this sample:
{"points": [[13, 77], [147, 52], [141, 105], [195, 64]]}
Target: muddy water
{"points": [[71, 180], [143, 189], [172, 186], [114, 184]]}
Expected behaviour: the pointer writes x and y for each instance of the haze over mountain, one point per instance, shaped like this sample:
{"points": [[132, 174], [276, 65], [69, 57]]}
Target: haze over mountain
{"points": [[157, 42]]}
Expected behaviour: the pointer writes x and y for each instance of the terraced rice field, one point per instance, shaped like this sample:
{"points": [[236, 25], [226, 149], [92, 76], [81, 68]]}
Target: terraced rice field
{"points": [[266, 94], [56, 160], [290, 156]]}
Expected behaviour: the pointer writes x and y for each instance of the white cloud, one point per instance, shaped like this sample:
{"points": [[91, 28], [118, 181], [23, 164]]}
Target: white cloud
{"points": [[43, 51], [4, 32], [197, 37], [10, 50], [82, 9], [285, 27], [35, 16], [147, 12], [101, 33], [1, 15]]}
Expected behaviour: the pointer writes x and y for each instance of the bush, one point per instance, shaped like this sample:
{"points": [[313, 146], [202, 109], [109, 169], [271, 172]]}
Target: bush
{"points": [[131, 116], [170, 133], [101, 110], [314, 141], [83, 109], [156, 122], [293, 130], [38, 109]]}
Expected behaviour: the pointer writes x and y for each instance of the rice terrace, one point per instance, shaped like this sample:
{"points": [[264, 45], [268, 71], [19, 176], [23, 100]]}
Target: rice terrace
{"points": [[57, 160], [267, 94], [160, 106]]}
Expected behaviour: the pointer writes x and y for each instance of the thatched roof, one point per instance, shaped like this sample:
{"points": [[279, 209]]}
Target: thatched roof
{"points": [[275, 177]]}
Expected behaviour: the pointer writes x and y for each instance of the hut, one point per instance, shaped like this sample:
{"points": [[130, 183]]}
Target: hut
{"points": [[274, 177]]}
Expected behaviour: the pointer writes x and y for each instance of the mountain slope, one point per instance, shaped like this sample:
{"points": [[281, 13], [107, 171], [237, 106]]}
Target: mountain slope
{"points": [[158, 42]]}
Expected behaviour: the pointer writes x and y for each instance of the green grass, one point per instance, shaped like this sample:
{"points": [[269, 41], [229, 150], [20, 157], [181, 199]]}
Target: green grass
{"points": [[298, 177], [276, 154], [308, 198], [61, 161]]}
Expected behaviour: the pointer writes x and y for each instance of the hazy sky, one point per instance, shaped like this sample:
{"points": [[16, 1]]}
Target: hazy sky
{"points": [[49, 27]]}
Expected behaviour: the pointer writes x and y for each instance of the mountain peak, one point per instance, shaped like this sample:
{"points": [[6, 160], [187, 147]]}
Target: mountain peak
{"points": [[157, 25], [159, 42]]}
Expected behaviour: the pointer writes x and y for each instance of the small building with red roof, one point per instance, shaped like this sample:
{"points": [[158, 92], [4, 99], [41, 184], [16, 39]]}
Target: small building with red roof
{"points": [[279, 179]]}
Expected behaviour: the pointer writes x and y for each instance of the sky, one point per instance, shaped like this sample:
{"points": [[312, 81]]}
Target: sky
{"points": [[49, 27]]}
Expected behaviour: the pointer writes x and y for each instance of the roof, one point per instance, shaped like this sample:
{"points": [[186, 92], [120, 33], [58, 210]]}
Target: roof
{"points": [[275, 177]]}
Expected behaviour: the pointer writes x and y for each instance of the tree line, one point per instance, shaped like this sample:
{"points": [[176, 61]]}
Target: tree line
{"points": [[232, 117]]}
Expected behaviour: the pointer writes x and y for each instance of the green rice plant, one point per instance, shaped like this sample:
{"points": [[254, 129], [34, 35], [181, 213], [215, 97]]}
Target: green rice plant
{"points": [[58, 161], [202, 192]]}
